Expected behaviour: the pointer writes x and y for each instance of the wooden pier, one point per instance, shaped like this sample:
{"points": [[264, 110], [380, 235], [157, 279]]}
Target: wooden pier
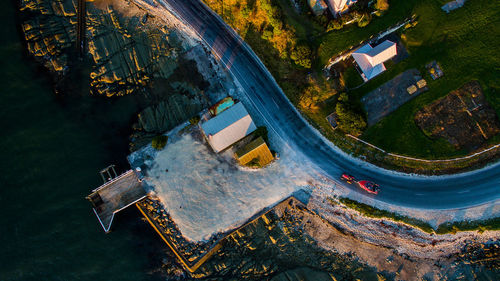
{"points": [[115, 195], [81, 27]]}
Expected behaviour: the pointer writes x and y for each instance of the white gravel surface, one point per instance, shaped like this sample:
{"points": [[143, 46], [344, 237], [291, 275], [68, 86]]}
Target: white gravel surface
{"points": [[206, 193]]}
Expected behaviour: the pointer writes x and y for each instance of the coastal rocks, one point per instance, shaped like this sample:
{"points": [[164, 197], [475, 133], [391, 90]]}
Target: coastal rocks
{"points": [[129, 51], [177, 102], [167, 114], [395, 247], [304, 274], [50, 30], [275, 242], [126, 52]]}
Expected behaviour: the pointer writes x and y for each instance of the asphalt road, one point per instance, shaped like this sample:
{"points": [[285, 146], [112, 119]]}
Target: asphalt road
{"points": [[443, 192]]}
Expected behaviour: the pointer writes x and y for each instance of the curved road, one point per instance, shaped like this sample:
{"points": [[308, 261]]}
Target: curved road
{"points": [[443, 192]]}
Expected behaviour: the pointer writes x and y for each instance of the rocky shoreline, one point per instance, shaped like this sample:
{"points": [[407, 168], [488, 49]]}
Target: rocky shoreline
{"points": [[290, 241]]}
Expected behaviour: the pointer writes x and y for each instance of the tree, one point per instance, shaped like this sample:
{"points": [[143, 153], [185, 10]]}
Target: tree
{"points": [[382, 5], [261, 131], [318, 90], [334, 25], [301, 56], [348, 119], [364, 20]]}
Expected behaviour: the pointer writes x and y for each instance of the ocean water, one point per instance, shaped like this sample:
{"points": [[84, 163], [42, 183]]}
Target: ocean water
{"points": [[52, 148]]}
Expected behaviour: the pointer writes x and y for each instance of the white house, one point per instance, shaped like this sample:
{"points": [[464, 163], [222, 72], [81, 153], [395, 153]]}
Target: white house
{"points": [[371, 59], [228, 127], [338, 6]]}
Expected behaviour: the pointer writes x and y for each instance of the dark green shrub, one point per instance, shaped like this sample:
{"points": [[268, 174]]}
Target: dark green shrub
{"points": [[301, 56], [159, 142], [261, 132], [334, 25], [349, 120], [364, 20]]}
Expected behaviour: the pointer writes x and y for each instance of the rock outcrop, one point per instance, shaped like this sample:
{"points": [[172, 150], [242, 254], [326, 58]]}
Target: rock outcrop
{"points": [[125, 50], [50, 30]]}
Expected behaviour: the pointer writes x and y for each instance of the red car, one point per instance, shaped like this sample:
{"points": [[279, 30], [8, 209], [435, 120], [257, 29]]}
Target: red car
{"points": [[347, 178], [369, 186]]}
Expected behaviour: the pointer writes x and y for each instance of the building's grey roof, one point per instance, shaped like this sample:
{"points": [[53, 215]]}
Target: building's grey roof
{"points": [[228, 127]]}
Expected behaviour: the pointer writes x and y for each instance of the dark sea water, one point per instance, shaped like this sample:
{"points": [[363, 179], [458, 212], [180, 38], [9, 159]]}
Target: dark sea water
{"points": [[51, 151]]}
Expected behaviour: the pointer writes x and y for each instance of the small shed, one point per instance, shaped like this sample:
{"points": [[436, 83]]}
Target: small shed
{"points": [[257, 150], [332, 119]]}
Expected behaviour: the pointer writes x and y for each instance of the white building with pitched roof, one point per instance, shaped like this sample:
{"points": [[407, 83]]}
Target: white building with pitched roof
{"points": [[371, 60], [339, 6], [228, 127]]}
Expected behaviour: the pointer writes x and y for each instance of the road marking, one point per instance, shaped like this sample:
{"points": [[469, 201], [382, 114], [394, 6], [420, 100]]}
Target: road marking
{"points": [[275, 103]]}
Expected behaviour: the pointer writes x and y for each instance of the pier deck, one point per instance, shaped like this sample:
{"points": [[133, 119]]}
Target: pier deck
{"points": [[115, 195]]}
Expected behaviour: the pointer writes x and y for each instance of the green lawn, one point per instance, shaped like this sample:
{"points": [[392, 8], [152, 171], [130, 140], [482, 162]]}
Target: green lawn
{"points": [[352, 78], [463, 43]]}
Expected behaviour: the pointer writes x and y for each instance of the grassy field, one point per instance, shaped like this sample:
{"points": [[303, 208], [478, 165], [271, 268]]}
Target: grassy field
{"points": [[463, 43]]}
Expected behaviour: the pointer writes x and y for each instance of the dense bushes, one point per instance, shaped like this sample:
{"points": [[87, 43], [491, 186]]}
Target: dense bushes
{"points": [[317, 91], [362, 18], [480, 226], [302, 56], [382, 5], [264, 17], [349, 119], [159, 142]]}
